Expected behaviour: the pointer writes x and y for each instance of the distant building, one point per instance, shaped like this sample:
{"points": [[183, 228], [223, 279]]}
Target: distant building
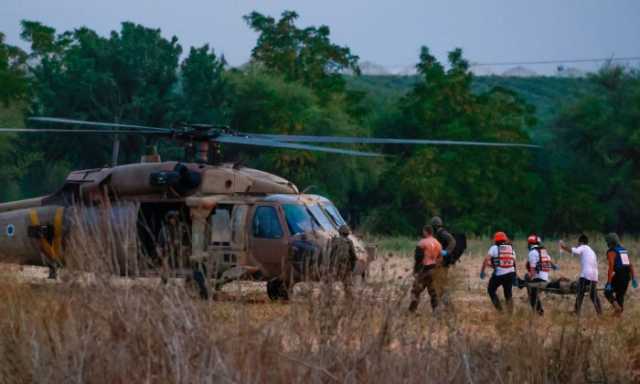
{"points": [[373, 69], [403, 70], [570, 72], [481, 70], [519, 71]]}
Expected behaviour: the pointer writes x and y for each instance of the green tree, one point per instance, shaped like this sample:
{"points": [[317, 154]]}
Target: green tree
{"points": [[476, 189], [306, 55], [13, 82], [205, 88], [266, 103], [13, 90], [597, 152], [128, 77]]}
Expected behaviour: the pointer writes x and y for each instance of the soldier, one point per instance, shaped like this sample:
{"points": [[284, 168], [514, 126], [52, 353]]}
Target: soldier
{"points": [[448, 243], [619, 273], [169, 247], [502, 258], [343, 258], [428, 258]]}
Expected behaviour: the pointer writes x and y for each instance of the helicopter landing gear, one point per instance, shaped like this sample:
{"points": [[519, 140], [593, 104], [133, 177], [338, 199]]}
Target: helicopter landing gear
{"points": [[199, 277], [277, 290]]}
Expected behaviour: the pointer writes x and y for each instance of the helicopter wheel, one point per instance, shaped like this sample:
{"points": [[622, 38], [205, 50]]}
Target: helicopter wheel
{"points": [[277, 290]]}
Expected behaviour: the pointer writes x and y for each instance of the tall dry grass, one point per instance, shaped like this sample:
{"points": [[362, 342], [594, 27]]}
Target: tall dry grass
{"points": [[105, 331]]}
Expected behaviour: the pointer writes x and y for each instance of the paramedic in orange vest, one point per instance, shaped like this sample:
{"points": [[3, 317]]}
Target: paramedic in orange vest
{"points": [[619, 274], [502, 258], [538, 266], [428, 257]]}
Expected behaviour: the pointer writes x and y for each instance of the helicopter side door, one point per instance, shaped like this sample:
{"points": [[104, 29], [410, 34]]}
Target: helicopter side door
{"points": [[269, 244], [227, 236]]}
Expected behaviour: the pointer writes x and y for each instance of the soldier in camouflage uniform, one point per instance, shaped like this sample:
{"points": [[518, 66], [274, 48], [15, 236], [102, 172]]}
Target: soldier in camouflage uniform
{"points": [[342, 259], [169, 247], [448, 242]]}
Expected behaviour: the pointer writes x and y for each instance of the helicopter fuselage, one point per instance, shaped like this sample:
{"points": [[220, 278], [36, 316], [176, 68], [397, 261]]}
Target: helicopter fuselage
{"points": [[234, 219]]}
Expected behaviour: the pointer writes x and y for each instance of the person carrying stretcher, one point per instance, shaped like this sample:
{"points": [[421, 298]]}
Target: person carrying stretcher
{"points": [[588, 280], [502, 258], [619, 274], [539, 265]]}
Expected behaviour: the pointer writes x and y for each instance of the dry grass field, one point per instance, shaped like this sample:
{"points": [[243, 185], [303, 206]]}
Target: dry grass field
{"points": [[115, 331]]}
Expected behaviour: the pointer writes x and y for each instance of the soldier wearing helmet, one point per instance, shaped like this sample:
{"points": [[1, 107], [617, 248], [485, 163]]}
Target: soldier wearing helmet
{"points": [[342, 258], [619, 274], [171, 243], [443, 236], [502, 258], [448, 243], [539, 265]]}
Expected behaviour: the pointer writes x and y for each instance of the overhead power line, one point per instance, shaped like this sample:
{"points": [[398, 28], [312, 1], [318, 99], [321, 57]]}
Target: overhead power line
{"points": [[540, 62]]}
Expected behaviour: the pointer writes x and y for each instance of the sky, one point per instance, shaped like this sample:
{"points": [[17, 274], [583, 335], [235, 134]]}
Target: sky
{"points": [[388, 32]]}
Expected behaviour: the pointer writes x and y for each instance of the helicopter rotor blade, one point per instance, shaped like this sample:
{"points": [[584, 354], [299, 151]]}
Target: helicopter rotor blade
{"points": [[58, 120], [87, 131], [376, 140], [263, 142]]}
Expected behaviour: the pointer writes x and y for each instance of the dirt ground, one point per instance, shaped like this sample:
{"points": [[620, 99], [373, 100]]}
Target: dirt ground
{"points": [[163, 333], [390, 269]]}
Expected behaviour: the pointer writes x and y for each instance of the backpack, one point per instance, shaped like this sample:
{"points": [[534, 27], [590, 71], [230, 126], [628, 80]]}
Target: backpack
{"points": [[458, 251]]}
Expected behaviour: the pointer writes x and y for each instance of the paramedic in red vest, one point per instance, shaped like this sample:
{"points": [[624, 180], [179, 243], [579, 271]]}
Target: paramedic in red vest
{"points": [[538, 265], [428, 258], [502, 258], [588, 280], [619, 273]]}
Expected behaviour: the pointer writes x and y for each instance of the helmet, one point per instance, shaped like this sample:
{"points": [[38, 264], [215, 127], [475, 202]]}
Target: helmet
{"points": [[500, 236], [344, 230], [436, 221], [612, 239], [533, 240], [171, 215]]}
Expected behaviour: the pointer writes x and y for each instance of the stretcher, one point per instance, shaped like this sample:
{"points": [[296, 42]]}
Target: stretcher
{"points": [[560, 286]]}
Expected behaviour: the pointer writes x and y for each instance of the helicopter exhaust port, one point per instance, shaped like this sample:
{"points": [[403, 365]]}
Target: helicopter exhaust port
{"points": [[181, 179]]}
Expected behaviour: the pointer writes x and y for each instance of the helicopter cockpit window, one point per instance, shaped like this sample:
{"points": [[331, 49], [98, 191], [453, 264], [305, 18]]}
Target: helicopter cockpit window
{"points": [[334, 214], [266, 224], [298, 218], [321, 217]]}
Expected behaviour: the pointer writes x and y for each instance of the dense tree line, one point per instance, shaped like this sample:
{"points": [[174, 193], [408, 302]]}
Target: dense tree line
{"points": [[586, 177]]}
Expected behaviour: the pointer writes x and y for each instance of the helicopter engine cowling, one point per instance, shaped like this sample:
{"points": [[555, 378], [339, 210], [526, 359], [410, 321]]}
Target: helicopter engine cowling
{"points": [[154, 178]]}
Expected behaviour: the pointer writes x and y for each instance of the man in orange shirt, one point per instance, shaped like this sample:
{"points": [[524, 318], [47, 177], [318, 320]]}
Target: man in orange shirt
{"points": [[619, 274], [428, 257]]}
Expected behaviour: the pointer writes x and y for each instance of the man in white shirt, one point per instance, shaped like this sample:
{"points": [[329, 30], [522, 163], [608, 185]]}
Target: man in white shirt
{"points": [[588, 273]]}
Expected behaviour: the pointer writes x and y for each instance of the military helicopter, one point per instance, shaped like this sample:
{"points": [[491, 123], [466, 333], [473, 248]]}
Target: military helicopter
{"points": [[240, 223]]}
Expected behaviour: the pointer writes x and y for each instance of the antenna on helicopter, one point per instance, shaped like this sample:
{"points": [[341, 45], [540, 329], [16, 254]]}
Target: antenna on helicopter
{"points": [[308, 188], [115, 150], [151, 154]]}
